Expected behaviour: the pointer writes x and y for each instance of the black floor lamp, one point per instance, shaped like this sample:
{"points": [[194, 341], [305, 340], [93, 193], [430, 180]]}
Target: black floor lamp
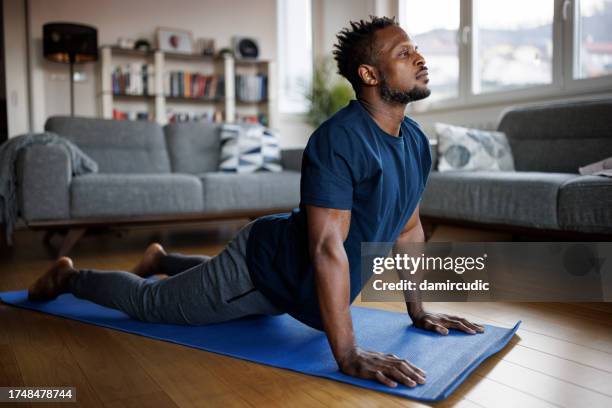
{"points": [[70, 44]]}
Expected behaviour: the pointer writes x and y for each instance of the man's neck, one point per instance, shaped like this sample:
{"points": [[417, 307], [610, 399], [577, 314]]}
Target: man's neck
{"points": [[387, 116]]}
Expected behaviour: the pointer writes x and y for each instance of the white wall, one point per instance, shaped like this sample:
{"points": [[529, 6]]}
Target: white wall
{"points": [[49, 85], [328, 18], [134, 19], [139, 18], [15, 57]]}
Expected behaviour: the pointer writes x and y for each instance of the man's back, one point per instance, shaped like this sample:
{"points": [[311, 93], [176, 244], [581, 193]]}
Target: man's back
{"points": [[349, 163]]}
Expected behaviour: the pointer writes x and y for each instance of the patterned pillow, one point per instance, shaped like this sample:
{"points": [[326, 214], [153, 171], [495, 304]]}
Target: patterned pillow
{"points": [[247, 148], [461, 148]]}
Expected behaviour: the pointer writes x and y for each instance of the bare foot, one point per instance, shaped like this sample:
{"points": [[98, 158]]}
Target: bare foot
{"points": [[53, 282], [148, 265]]}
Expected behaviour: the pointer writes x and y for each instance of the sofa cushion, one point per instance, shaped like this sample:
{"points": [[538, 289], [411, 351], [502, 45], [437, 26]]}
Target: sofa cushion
{"points": [[100, 195], [513, 198], [193, 147], [227, 191], [559, 137], [118, 146], [468, 149], [247, 148], [585, 204]]}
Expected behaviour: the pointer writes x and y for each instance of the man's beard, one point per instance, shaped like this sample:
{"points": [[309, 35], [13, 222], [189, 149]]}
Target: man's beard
{"points": [[391, 95]]}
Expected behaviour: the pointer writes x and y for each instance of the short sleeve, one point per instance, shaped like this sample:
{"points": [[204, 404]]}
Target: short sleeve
{"points": [[426, 160], [327, 176]]}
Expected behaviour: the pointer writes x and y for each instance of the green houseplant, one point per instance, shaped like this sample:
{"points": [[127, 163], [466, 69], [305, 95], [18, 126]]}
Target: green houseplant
{"points": [[328, 94]]}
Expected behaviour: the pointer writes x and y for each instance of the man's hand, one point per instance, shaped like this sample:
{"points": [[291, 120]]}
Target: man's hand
{"points": [[327, 231], [387, 369], [440, 323]]}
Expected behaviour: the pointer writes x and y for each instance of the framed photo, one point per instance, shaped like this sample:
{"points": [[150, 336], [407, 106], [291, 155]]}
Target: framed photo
{"points": [[174, 40], [205, 46]]}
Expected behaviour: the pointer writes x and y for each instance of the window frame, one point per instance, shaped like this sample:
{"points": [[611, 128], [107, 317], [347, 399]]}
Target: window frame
{"points": [[564, 64]]}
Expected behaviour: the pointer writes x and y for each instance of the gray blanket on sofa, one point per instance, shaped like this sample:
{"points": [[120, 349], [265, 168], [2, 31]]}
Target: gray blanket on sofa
{"points": [[80, 164]]}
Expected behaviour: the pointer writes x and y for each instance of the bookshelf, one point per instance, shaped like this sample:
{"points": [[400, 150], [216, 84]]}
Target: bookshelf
{"points": [[242, 88]]}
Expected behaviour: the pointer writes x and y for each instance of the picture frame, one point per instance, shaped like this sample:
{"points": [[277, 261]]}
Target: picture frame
{"points": [[205, 46], [174, 40]]}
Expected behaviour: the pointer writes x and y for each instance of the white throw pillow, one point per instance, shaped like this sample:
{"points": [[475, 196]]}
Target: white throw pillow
{"points": [[247, 148], [467, 149]]}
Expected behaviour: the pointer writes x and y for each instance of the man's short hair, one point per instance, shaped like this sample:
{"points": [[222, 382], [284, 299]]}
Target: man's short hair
{"points": [[356, 46]]}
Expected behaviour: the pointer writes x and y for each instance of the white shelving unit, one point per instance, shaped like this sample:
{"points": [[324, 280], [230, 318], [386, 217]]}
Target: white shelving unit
{"points": [[157, 102]]}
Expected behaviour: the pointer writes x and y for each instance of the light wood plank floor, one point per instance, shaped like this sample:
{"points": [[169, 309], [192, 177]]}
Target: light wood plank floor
{"points": [[562, 355]]}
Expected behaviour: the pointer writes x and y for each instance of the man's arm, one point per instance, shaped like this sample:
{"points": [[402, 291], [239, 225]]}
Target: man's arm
{"points": [[412, 232], [439, 322], [327, 230]]}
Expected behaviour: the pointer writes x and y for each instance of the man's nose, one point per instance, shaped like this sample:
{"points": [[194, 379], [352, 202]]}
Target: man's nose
{"points": [[420, 60]]}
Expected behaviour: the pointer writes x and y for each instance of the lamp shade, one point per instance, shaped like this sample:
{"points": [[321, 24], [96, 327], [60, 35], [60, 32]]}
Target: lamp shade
{"points": [[67, 42]]}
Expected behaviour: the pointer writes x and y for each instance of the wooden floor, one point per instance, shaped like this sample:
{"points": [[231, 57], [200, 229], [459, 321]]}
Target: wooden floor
{"points": [[562, 355]]}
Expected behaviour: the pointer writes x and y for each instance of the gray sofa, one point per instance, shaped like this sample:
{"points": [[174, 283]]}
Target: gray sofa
{"points": [[147, 174], [545, 194], [150, 174]]}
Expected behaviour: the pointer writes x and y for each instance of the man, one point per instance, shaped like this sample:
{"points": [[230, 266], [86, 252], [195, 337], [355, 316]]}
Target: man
{"points": [[363, 174]]}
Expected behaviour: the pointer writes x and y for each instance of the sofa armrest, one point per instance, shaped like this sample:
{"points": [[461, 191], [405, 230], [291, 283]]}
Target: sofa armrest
{"points": [[291, 159], [43, 182]]}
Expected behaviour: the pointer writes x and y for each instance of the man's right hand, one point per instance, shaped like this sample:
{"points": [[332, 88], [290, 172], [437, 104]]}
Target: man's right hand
{"points": [[328, 228], [388, 369]]}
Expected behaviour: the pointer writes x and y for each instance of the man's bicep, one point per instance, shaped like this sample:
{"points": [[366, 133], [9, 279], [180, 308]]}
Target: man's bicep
{"points": [[326, 225]]}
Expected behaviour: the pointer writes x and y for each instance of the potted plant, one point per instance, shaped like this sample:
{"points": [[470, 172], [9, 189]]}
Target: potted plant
{"points": [[328, 94]]}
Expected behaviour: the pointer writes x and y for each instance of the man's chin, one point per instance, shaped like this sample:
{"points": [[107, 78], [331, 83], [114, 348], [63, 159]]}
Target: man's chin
{"points": [[419, 93], [403, 97]]}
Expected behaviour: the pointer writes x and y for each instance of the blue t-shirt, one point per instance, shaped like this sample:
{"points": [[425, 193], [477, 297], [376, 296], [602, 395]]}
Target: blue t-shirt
{"points": [[349, 163]]}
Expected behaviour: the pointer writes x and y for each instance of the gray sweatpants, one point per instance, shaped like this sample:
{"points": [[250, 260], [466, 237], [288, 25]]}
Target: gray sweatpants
{"points": [[199, 289]]}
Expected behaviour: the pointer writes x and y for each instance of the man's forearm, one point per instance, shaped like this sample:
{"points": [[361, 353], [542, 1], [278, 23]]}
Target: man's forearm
{"points": [[414, 305], [333, 290]]}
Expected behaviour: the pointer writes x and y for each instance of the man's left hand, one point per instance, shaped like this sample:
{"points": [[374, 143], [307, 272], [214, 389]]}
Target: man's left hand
{"points": [[440, 323]]}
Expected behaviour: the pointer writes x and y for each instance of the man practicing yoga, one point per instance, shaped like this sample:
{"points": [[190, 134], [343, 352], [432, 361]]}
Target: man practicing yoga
{"points": [[363, 173]]}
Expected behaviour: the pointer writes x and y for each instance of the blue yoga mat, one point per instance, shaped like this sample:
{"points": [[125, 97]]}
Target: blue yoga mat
{"points": [[281, 341]]}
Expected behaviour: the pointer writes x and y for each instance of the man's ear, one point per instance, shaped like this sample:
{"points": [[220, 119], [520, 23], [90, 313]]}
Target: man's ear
{"points": [[368, 74]]}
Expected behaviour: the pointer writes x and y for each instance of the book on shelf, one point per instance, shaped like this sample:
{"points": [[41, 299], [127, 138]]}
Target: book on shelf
{"points": [[131, 115], [251, 88], [133, 79], [183, 84], [211, 116]]}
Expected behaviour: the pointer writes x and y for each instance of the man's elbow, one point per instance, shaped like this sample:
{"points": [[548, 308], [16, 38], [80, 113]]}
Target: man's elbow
{"points": [[415, 234]]}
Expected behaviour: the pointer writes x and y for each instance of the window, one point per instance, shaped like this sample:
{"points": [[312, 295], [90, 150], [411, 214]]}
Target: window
{"points": [[434, 30], [514, 44], [594, 38], [510, 50], [294, 54]]}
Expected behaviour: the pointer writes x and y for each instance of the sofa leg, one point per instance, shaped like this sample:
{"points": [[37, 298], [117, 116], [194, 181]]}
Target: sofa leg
{"points": [[48, 236], [72, 237]]}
